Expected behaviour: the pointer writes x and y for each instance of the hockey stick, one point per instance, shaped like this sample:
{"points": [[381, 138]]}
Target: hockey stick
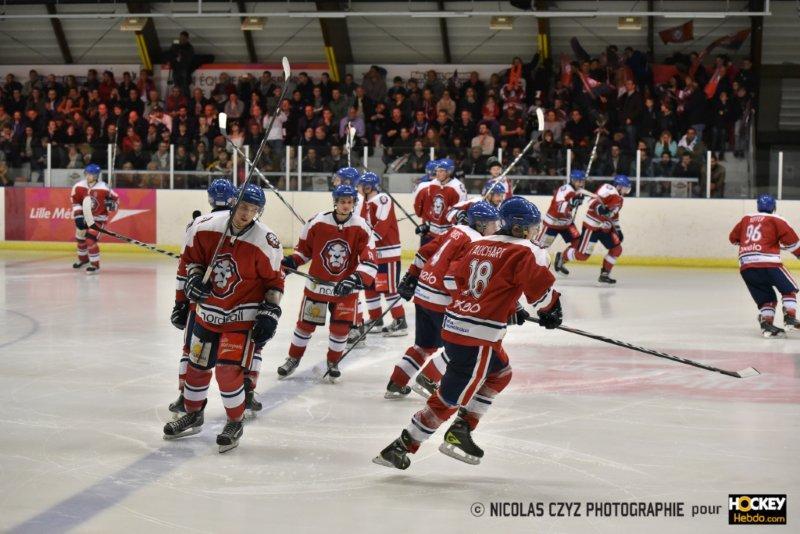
{"points": [[348, 145], [361, 338], [314, 279], [229, 227], [223, 126], [396, 203], [744, 373], [601, 121], [540, 118], [136, 242]]}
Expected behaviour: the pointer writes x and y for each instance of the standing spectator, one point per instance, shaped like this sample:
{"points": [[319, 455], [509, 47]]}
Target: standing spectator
{"points": [[694, 107], [374, 84], [747, 78], [721, 122], [305, 87], [34, 82], [742, 111], [433, 83], [484, 140], [338, 105], [649, 122], [512, 129], [631, 107], [364, 105]]}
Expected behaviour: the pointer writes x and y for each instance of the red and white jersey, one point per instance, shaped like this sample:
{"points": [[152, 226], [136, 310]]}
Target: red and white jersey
{"points": [[486, 284], [247, 266], [760, 237], [461, 207], [381, 216], [432, 262], [98, 193], [608, 196], [561, 214], [335, 251], [432, 201], [180, 276]]}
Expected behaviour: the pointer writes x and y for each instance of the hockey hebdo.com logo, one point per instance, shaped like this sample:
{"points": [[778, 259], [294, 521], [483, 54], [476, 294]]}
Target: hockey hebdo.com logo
{"points": [[757, 509]]}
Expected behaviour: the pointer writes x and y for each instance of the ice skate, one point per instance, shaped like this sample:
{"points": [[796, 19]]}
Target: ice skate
{"points": [[605, 278], [377, 328], [333, 370], [769, 330], [458, 444], [288, 367], [354, 339], [251, 404], [229, 437], [424, 386], [558, 264], [790, 321], [177, 407], [396, 328], [393, 391], [78, 264], [93, 269], [396, 454], [187, 425]]}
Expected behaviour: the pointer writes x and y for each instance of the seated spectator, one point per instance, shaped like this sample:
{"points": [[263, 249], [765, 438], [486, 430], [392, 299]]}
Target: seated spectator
{"points": [[417, 160], [548, 150], [512, 128], [578, 127], [465, 128], [234, 107], [692, 145], [443, 125], [334, 161], [615, 163], [161, 156], [446, 104], [554, 125], [420, 125], [354, 121], [338, 105], [686, 168], [364, 105], [666, 145], [312, 163], [664, 167], [222, 164], [320, 142], [484, 140]]}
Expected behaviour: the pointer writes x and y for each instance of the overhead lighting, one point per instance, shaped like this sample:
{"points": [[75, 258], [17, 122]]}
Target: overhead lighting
{"points": [[253, 24], [629, 23], [704, 15], [133, 24], [501, 23]]}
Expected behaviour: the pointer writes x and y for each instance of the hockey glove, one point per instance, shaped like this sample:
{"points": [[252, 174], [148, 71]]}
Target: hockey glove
{"points": [[551, 318], [80, 223], [519, 317], [289, 262], [604, 211], [462, 218], [111, 204], [407, 286], [576, 201], [348, 285], [180, 314], [266, 322], [422, 229], [195, 289], [618, 231]]}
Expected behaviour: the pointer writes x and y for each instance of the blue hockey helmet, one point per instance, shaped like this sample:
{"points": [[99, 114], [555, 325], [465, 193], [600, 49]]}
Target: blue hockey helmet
{"points": [[348, 175], [518, 211], [493, 188], [766, 203], [446, 164], [344, 190], [621, 180], [430, 167], [482, 211], [577, 174], [252, 194], [221, 193], [370, 179], [93, 168]]}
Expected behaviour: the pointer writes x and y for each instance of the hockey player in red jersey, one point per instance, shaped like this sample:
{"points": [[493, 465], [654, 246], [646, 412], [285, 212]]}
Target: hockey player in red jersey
{"points": [[237, 309], [760, 237], [341, 249], [92, 200], [485, 284], [495, 170], [601, 224], [379, 213], [433, 199], [424, 281], [493, 192], [560, 217]]}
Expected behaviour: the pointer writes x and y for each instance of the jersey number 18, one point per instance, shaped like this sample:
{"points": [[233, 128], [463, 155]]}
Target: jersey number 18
{"points": [[479, 274]]}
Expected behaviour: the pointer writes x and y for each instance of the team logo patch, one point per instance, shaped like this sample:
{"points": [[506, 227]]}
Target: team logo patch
{"points": [[94, 202], [384, 199], [273, 241], [438, 205], [335, 255], [225, 276]]}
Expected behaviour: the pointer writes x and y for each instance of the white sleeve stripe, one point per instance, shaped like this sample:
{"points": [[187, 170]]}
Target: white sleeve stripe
{"points": [[793, 247]]}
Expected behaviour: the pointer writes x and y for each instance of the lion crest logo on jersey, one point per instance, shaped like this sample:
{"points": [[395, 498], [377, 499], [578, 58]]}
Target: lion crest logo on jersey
{"points": [[273, 241], [335, 255], [225, 276], [94, 202], [438, 205]]}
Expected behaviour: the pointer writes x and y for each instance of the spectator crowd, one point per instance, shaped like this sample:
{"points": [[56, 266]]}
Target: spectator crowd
{"points": [[611, 97]]}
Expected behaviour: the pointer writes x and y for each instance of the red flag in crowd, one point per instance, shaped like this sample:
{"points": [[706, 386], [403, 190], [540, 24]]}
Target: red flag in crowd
{"points": [[711, 86], [733, 41], [678, 34], [566, 70]]}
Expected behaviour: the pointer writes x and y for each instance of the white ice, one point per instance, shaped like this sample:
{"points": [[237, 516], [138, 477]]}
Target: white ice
{"points": [[88, 365]]}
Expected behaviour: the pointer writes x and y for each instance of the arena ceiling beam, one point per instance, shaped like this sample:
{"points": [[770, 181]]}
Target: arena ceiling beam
{"points": [[248, 37], [61, 38], [448, 58], [147, 39], [336, 37]]}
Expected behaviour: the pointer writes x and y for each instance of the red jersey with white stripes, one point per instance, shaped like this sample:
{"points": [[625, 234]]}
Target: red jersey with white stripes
{"points": [[246, 267], [459, 208], [561, 213], [432, 201], [381, 216], [335, 250], [97, 193], [608, 196], [486, 283], [760, 237], [432, 262]]}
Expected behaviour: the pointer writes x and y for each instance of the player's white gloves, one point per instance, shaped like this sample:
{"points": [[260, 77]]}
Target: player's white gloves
{"points": [[180, 314], [266, 322], [195, 289], [348, 285]]}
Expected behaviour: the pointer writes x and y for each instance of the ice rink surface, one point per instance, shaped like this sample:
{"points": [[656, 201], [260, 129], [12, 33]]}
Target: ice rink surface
{"points": [[88, 366]]}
